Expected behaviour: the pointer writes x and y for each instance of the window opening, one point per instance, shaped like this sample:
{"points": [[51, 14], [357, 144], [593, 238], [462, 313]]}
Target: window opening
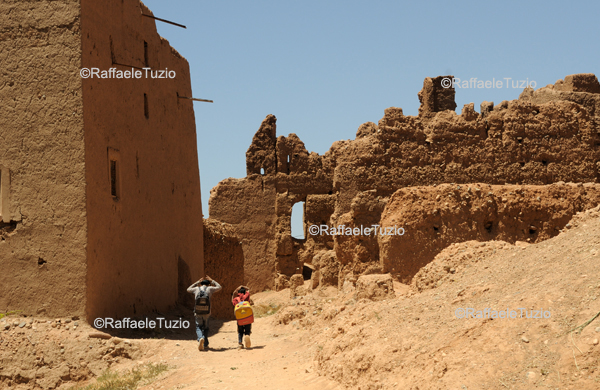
{"points": [[146, 114], [146, 62], [297, 221]]}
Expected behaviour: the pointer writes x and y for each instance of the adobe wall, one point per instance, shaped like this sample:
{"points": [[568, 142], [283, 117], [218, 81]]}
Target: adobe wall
{"points": [[145, 247], [43, 229], [524, 141], [435, 217], [224, 262]]}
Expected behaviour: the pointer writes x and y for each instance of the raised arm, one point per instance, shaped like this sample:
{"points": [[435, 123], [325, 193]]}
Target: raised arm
{"points": [[215, 287], [192, 288]]}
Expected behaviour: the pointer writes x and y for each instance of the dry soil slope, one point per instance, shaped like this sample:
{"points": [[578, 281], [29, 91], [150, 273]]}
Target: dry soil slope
{"points": [[416, 342]]}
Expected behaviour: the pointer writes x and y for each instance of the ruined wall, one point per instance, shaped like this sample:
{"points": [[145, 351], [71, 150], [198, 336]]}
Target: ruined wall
{"points": [[544, 137], [224, 262], [249, 206], [43, 229], [435, 217], [144, 244]]}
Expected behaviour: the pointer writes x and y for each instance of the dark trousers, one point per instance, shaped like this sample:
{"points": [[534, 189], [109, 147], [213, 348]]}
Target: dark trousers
{"points": [[242, 330], [202, 328]]}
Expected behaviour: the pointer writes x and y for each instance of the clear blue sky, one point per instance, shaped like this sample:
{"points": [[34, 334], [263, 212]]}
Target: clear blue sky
{"points": [[325, 67]]}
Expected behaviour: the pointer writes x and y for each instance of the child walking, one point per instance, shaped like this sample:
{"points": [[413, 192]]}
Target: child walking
{"points": [[242, 294]]}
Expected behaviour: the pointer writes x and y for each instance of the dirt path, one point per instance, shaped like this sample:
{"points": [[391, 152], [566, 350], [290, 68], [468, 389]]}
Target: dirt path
{"points": [[277, 360]]}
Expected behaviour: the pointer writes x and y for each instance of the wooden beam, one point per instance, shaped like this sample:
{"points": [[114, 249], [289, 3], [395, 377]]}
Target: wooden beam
{"points": [[164, 20]]}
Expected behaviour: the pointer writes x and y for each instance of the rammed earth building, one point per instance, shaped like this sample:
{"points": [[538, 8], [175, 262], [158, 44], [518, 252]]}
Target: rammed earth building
{"points": [[99, 186]]}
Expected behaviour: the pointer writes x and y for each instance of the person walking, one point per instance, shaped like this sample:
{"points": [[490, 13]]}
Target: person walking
{"points": [[242, 294], [203, 295]]}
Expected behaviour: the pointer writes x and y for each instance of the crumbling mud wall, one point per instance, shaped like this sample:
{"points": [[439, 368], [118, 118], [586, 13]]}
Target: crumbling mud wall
{"points": [[42, 173], [224, 262], [435, 217], [145, 241], [542, 138]]}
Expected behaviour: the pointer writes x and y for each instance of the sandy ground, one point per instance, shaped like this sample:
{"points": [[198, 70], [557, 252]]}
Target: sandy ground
{"points": [[331, 340], [278, 359]]}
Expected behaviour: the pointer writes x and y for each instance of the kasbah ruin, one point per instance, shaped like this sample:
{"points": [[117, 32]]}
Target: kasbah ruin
{"points": [[101, 217]]}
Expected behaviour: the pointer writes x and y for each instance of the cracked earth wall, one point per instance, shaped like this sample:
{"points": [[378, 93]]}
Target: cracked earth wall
{"points": [[224, 262], [544, 137], [145, 246], [68, 244], [42, 155]]}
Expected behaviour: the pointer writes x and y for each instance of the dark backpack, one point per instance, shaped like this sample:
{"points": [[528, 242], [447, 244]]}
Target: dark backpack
{"points": [[202, 303]]}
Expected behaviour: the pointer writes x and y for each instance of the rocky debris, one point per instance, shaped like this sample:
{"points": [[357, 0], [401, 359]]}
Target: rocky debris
{"points": [[49, 354], [375, 287], [299, 291], [289, 314], [282, 282], [326, 269], [296, 281], [297, 287], [99, 335]]}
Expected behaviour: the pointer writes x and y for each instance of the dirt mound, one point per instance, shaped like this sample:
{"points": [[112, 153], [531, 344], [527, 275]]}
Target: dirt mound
{"points": [[417, 341], [454, 259], [45, 354]]}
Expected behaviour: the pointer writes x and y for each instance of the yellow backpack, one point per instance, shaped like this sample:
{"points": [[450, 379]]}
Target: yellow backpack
{"points": [[243, 313]]}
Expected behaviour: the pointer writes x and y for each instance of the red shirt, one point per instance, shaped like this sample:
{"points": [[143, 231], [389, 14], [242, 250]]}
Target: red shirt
{"points": [[241, 298]]}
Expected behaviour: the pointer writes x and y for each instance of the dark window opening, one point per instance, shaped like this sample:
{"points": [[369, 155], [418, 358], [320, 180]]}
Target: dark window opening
{"points": [[532, 229], [146, 113], [488, 226], [114, 179], [520, 140], [330, 192], [112, 50], [436, 228], [146, 54], [544, 162], [522, 164], [297, 221], [306, 272]]}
